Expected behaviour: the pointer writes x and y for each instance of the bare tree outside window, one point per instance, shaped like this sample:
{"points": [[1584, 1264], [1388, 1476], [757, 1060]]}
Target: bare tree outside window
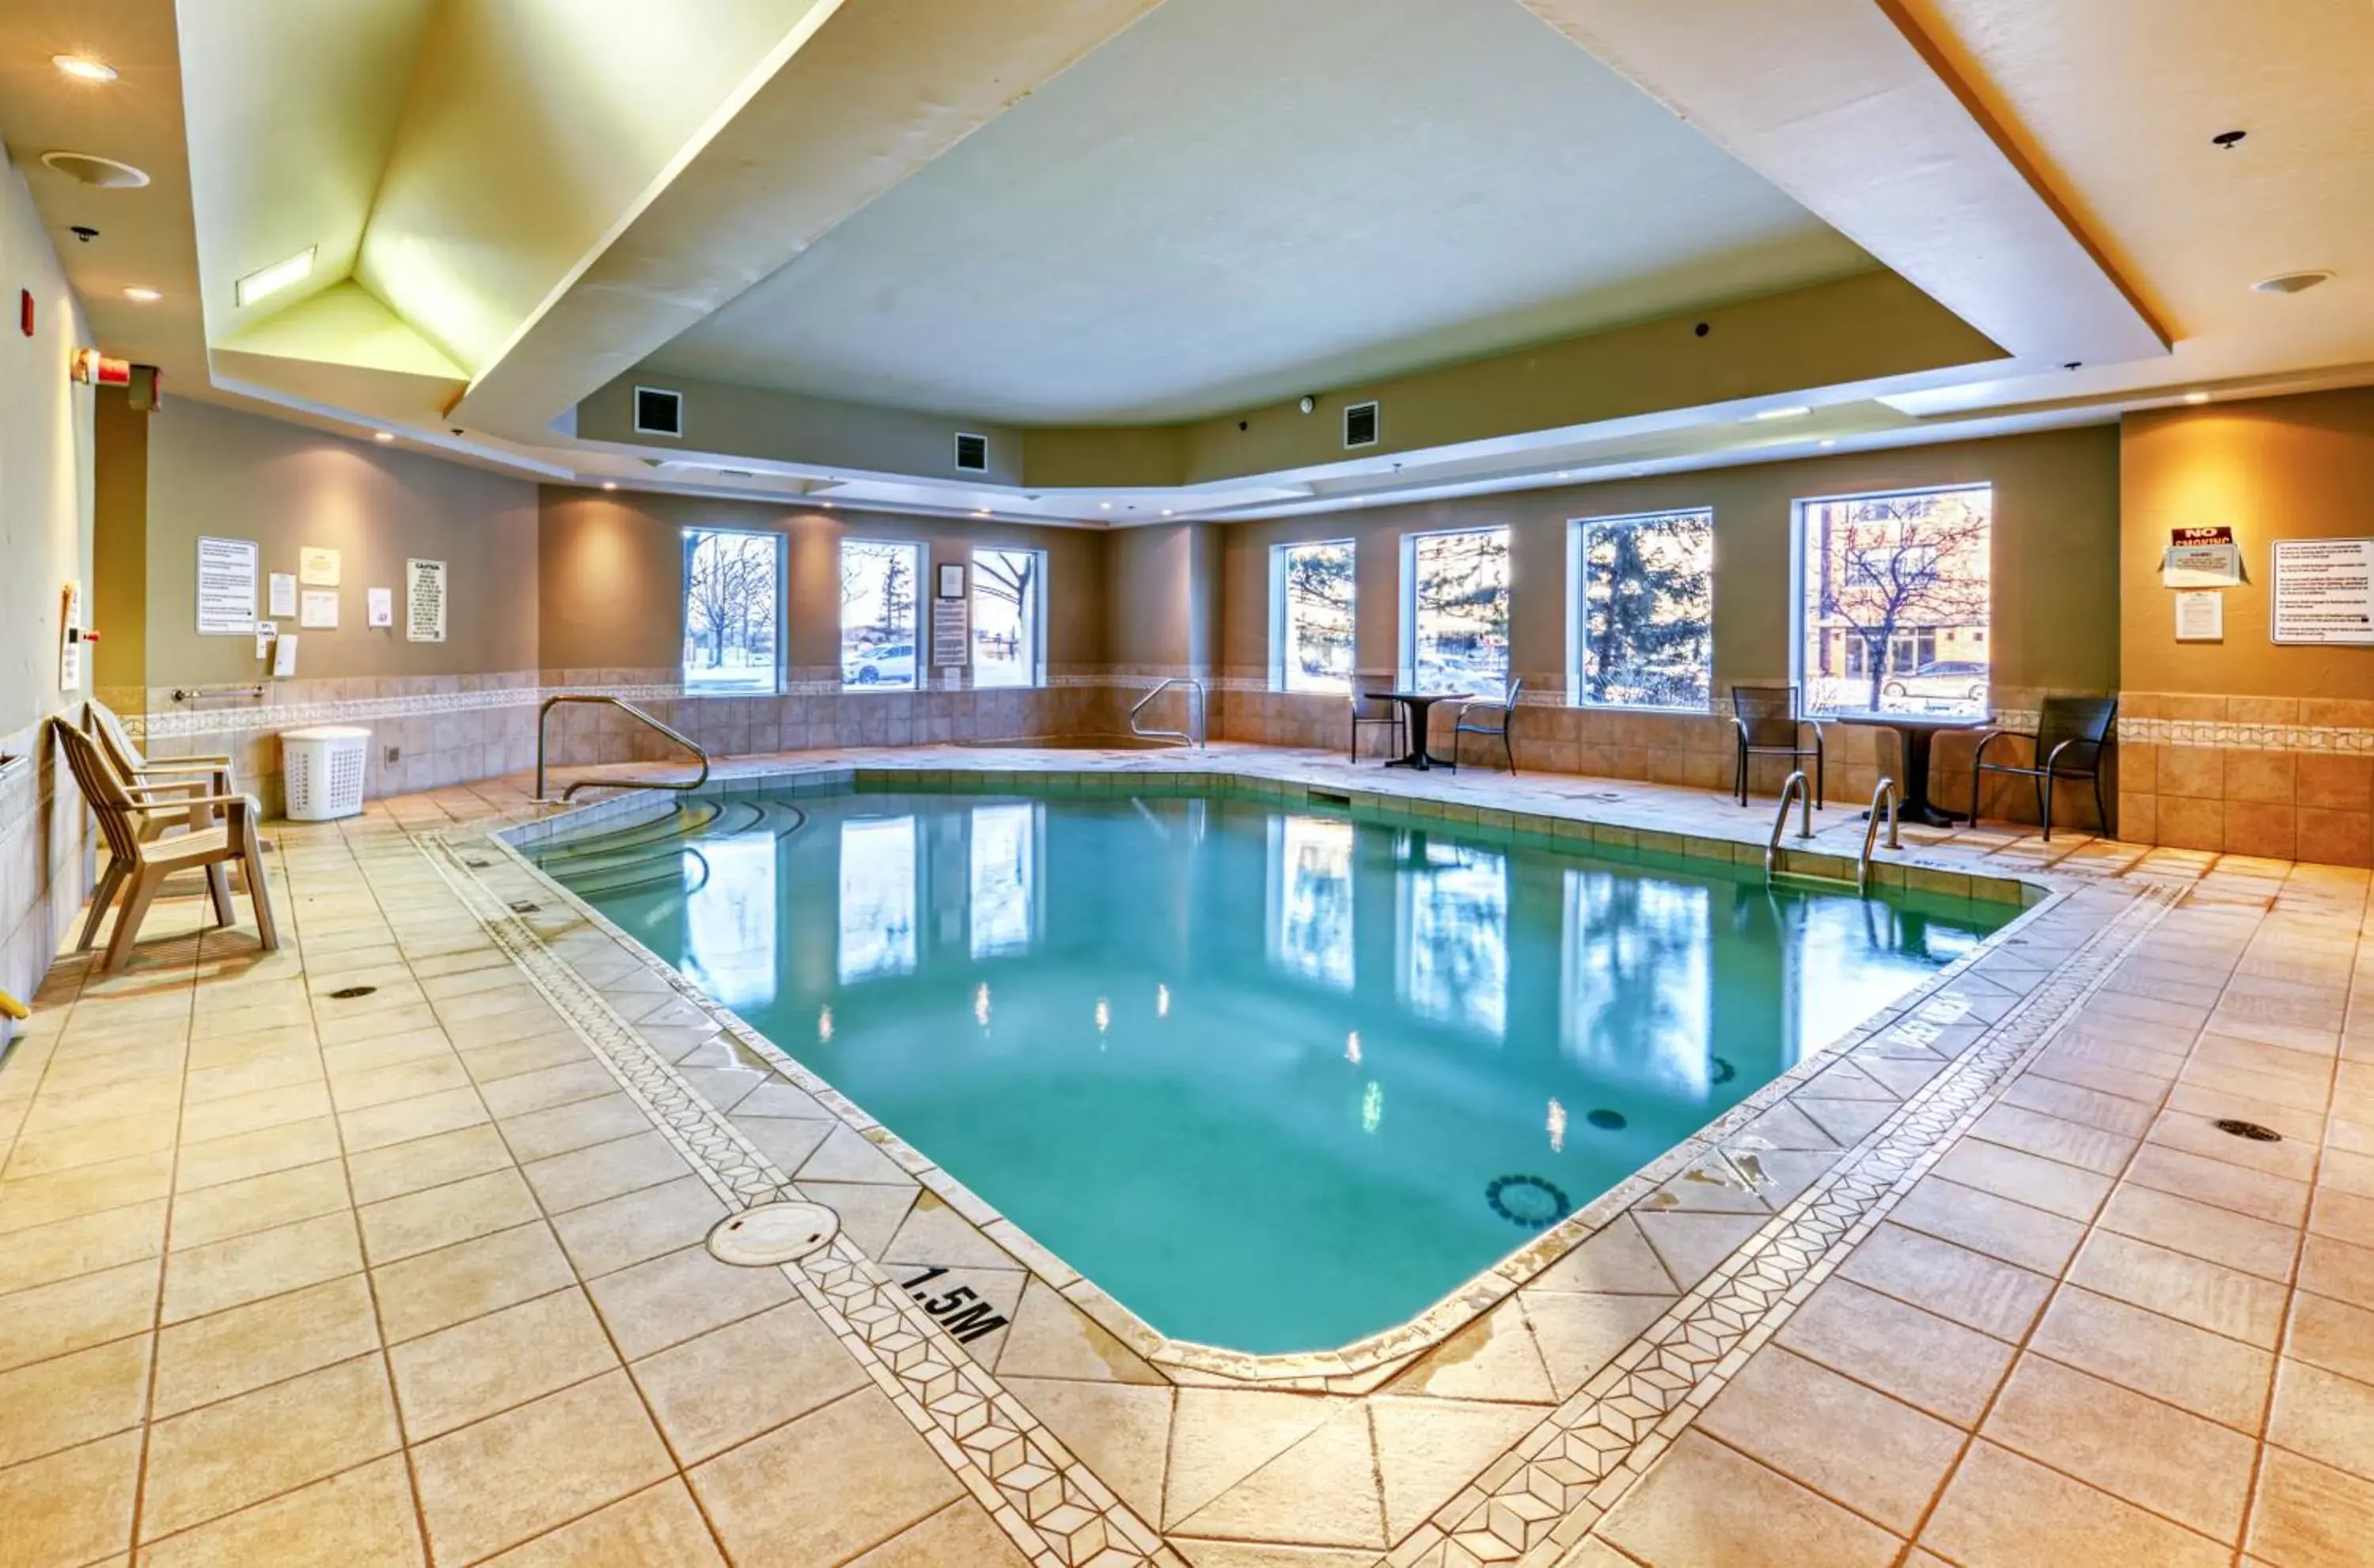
{"points": [[1007, 646], [1458, 610], [1311, 609], [879, 645], [1897, 601], [730, 589], [1647, 628]]}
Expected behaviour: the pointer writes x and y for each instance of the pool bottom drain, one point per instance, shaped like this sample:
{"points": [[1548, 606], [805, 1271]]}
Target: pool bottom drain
{"points": [[1526, 1200]]}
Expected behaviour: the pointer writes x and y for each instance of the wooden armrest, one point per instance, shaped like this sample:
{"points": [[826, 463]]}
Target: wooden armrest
{"points": [[183, 765], [173, 787]]}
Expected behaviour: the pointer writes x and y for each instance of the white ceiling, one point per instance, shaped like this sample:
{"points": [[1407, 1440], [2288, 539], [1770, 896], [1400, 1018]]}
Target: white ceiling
{"points": [[1235, 202]]}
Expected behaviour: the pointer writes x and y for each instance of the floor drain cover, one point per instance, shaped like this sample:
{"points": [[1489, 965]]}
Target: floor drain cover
{"points": [[348, 993], [524, 905], [772, 1233], [1526, 1200], [2249, 1129]]}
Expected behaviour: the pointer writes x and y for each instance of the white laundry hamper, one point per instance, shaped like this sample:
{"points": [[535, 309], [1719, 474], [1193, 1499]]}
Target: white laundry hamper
{"points": [[322, 771]]}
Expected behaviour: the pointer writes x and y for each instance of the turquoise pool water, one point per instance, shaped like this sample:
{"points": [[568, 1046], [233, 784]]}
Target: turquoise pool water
{"points": [[1275, 1078]]}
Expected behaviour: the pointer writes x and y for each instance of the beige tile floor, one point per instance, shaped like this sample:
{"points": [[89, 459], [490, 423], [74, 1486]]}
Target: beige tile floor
{"points": [[407, 1277]]}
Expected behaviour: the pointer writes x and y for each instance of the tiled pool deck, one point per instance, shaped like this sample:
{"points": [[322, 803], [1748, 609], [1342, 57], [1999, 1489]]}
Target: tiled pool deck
{"points": [[417, 1275]]}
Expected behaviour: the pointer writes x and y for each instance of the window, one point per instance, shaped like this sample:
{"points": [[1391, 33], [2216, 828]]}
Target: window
{"points": [[1894, 600], [1008, 646], [731, 591], [1455, 613], [1310, 616], [1644, 610], [878, 582]]}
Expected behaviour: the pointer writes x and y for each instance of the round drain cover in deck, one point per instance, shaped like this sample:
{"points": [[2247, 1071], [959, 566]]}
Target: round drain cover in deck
{"points": [[2249, 1129], [772, 1233]]}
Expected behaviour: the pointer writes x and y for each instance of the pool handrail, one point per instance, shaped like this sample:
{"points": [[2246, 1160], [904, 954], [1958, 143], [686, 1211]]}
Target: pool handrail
{"points": [[686, 742], [1800, 790], [1195, 713], [1885, 792]]}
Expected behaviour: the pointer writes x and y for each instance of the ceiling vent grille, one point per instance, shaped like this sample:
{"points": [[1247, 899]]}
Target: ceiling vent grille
{"points": [[1360, 425], [658, 412], [972, 454]]}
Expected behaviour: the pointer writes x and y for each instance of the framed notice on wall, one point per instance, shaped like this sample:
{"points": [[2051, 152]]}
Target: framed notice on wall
{"points": [[951, 632], [424, 600], [226, 578], [2323, 591]]}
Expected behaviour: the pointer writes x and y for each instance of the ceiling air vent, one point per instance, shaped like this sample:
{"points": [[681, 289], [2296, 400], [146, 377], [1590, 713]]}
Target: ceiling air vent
{"points": [[1360, 425], [972, 454], [658, 412]]}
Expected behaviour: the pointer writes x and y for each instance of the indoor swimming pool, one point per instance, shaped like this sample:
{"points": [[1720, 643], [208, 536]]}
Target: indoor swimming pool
{"points": [[1274, 1077]]}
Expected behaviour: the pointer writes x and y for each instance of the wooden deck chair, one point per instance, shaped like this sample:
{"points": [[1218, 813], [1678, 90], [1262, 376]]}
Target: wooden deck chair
{"points": [[138, 867], [190, 776]]}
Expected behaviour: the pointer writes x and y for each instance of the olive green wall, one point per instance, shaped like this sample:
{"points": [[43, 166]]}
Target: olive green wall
{"points": [[611, 575], [2056, 556]]}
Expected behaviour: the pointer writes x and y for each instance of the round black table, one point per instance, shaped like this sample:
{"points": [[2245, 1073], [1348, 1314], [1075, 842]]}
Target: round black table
{"points": [[1915, 731], [1418, 704]]}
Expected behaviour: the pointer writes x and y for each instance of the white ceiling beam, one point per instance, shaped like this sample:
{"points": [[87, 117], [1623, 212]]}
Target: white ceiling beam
{"points": [[1848, 108]]}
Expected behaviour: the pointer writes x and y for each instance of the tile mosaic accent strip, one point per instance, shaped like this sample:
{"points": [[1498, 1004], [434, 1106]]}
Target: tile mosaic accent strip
{"points": [[1048, 1503], [2325, 738], [1542, 1498]]}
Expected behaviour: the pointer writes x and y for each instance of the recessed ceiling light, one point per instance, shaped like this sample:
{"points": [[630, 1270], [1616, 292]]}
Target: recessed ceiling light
{"points": [[1565, 474], [142, 296], [609, 483], [1166, 511], [83, 68], [1830, 442], [981, 511], [89, 168], [273, 278], [383, 436], [2291, 282], [2196, 397], [1104, 506], [1794, 412]]}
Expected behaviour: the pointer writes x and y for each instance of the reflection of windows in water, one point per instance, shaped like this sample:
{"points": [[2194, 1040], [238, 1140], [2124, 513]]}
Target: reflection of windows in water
{"points": [[1634, 979], [729, 924], [1311, 898], [1004, 878], [877, 897], [1453, 933]]}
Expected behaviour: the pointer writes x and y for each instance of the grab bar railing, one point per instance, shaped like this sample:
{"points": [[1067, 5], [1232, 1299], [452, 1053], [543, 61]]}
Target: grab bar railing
{"points": [[686, 742], [1885, 792], [1195, 713], [1798, 790]]}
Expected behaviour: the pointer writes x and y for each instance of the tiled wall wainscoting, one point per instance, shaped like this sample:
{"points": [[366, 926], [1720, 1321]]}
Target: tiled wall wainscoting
{"points": [[1693, 749], [2292, 779], [453, 729], [44, 859]]}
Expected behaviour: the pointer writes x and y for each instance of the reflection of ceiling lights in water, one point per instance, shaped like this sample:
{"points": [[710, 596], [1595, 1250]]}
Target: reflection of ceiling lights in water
{"points": [[824, 1026], [1372, 1107], [981, 1005], [1557, 1127], [1104, 1015], [1352, 1047], [1162, 1001]]}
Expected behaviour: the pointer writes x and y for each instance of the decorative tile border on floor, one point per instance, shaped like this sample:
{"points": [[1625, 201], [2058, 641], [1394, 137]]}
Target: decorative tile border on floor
{"points": [[1540, 1499], [1050, 1504]]}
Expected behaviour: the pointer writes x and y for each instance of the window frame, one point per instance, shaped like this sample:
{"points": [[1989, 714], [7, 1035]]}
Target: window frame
{"points": [[688, 538], [918, 630], [1798, 673], [1407, 674], [1278, 571], [1578, 614], [1038, 620]]}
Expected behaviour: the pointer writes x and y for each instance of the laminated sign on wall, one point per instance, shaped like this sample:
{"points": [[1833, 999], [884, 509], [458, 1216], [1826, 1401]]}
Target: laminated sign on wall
{"points": [[2201, 558], [2324, 592], [227, 571], [424, 600]]}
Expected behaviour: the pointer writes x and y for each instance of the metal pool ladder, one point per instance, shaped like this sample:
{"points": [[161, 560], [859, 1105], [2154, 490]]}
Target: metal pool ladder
{"points": [[1885, 792], [1196, 728], [1799, 790], [686, 742]]}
